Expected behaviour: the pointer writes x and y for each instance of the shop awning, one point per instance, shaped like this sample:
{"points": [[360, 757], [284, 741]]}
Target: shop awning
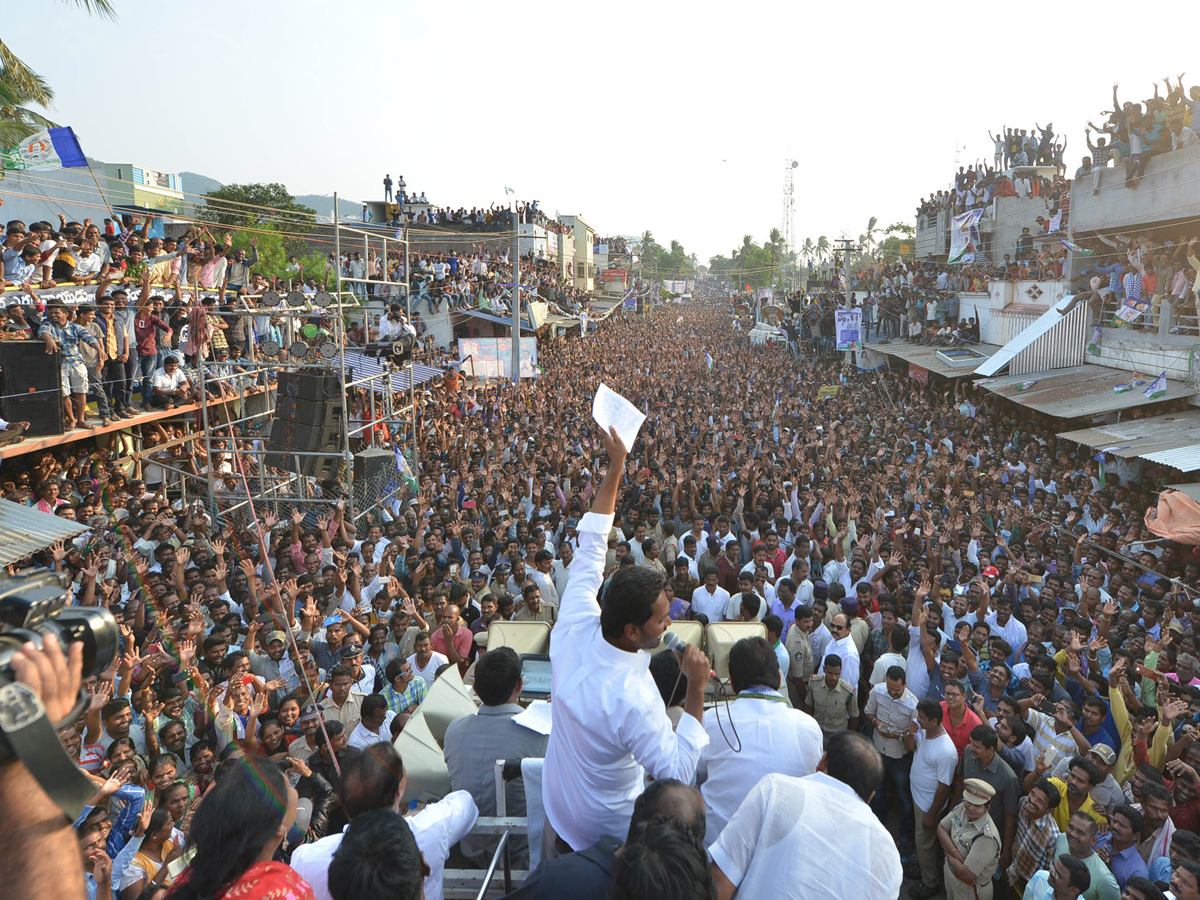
{"points": [[25, 530], [1172, 440], [506, 321], [1080, 391]]}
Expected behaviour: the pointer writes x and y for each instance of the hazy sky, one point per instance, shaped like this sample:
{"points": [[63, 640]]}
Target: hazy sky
{"points": [[677, 118]]}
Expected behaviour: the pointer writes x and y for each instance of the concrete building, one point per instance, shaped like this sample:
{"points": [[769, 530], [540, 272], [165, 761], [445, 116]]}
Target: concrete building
{"points": [[584, 258], [136, 187]]}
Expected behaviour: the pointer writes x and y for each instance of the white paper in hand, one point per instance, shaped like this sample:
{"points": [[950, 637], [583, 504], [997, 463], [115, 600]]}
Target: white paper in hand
{"points": [[611, 410]]}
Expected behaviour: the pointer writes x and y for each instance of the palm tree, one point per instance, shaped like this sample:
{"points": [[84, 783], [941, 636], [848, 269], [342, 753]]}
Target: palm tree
{"points": [[869, 241], [20, 85], [808, 250], [822, 248]]}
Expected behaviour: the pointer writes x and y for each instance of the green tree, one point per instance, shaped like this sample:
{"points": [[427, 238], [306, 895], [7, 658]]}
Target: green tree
{"points": [[245, 204], [823, 248], [21, 86]]}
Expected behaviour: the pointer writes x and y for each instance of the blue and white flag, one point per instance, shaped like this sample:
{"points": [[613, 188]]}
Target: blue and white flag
{"points": [[1158, 387], [51, 148], [708, 360]]}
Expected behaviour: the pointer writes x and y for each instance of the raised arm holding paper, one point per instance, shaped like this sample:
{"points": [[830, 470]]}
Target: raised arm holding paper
{"points": [[610, 726]]}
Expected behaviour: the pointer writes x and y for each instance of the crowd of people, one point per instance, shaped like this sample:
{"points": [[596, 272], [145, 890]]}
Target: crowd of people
{"points": [[979, 669], [1133, 133]]}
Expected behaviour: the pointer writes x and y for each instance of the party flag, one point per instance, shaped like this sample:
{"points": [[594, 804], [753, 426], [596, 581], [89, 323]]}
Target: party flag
{"points": [[1158, 387]]}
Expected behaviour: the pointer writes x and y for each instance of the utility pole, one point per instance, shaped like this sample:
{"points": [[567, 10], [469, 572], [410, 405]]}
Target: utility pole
{"points": [[847, 247], [516, 310]]}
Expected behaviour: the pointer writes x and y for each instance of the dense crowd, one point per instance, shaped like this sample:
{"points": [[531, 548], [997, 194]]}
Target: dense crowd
{"points": [[972, 640]]}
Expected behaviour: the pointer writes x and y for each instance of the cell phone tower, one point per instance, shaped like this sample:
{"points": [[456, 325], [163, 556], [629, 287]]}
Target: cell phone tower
{"points": [[788, 225]]}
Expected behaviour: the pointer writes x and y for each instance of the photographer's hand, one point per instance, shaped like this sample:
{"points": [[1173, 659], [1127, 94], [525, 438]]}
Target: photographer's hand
{"points": [[40, 857]]}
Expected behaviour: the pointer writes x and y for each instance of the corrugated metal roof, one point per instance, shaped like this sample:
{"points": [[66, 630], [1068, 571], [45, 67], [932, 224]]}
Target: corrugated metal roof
{"points": [[1172, 440], [1192, 489], [365, 366], [1035, 330], [927, 357], [1080, 390], [24, 530]]}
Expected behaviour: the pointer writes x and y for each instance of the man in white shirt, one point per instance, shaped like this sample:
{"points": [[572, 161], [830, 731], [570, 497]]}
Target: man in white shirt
{"points": [[375, 779], [426, 661], [771, 737], [844, 648], [816, 835], [897, 654], [710, 598], [375, 725], [934, 764], [611, 729]]}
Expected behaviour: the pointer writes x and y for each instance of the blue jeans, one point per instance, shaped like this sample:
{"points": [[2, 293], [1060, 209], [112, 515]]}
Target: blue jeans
{"points": [[131, 369], [896, 771], [146, 366]]}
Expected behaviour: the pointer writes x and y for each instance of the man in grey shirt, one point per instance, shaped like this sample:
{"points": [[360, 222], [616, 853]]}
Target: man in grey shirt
{"points": [[474, 743]]}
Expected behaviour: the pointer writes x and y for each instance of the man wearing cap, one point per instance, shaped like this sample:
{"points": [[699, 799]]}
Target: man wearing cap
{"points": [[981, 761], [274, 664], [971, 843], [306, 744]]}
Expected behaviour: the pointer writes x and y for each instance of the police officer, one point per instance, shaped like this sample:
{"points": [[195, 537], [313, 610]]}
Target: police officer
{"points": [[971, 843]]}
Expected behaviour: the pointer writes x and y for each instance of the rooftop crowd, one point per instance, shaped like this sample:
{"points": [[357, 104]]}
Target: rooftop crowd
{"points": [[979, 672]]}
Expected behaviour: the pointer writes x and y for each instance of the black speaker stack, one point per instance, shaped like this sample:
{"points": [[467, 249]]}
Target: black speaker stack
{"points": [[32, 386], [307, 420]]}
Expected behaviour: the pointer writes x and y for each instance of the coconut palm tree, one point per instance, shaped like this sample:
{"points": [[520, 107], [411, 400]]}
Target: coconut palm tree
{"points": [[823, 248], [869, 240], [20, 86]]}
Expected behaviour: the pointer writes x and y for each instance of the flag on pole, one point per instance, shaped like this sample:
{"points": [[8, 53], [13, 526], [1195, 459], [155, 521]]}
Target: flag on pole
{"points": [[404, 471], [508, 191], [1099, 457], [708, 360], [51, 148], [1158, 387], [1093, 346], [1071, 245]]}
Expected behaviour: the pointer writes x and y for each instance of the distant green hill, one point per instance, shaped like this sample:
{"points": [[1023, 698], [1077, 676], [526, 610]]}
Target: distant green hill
{"points": [[195, 183]]}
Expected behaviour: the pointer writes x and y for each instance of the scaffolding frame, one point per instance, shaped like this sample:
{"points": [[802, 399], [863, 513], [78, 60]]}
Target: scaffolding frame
{"points": [[223, 417]]}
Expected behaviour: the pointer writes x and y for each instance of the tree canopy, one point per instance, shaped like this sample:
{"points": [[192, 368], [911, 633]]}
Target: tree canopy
{"points": [[243, 204]]}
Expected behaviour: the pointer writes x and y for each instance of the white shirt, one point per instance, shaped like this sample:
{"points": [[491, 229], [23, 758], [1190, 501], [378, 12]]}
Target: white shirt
{"points": [[885, 662], [774, 739], [436, 828], [846, 650], [814, 835], [1012, 631], [363, 737], [933, 764], [712, 605], [610, 726], [436, 661]]}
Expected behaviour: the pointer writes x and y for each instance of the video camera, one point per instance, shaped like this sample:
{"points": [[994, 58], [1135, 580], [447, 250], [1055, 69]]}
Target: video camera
{"points": [[32, 607]]}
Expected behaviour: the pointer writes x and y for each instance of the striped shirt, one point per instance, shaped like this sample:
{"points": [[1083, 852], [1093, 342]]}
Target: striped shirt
{"points": [[68, 337], [416, 691], [1033, 848]]}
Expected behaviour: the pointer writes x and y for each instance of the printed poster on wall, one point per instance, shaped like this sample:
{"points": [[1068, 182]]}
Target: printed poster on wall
{"points": [[492, 357], [917, 373], [848, 329]]}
